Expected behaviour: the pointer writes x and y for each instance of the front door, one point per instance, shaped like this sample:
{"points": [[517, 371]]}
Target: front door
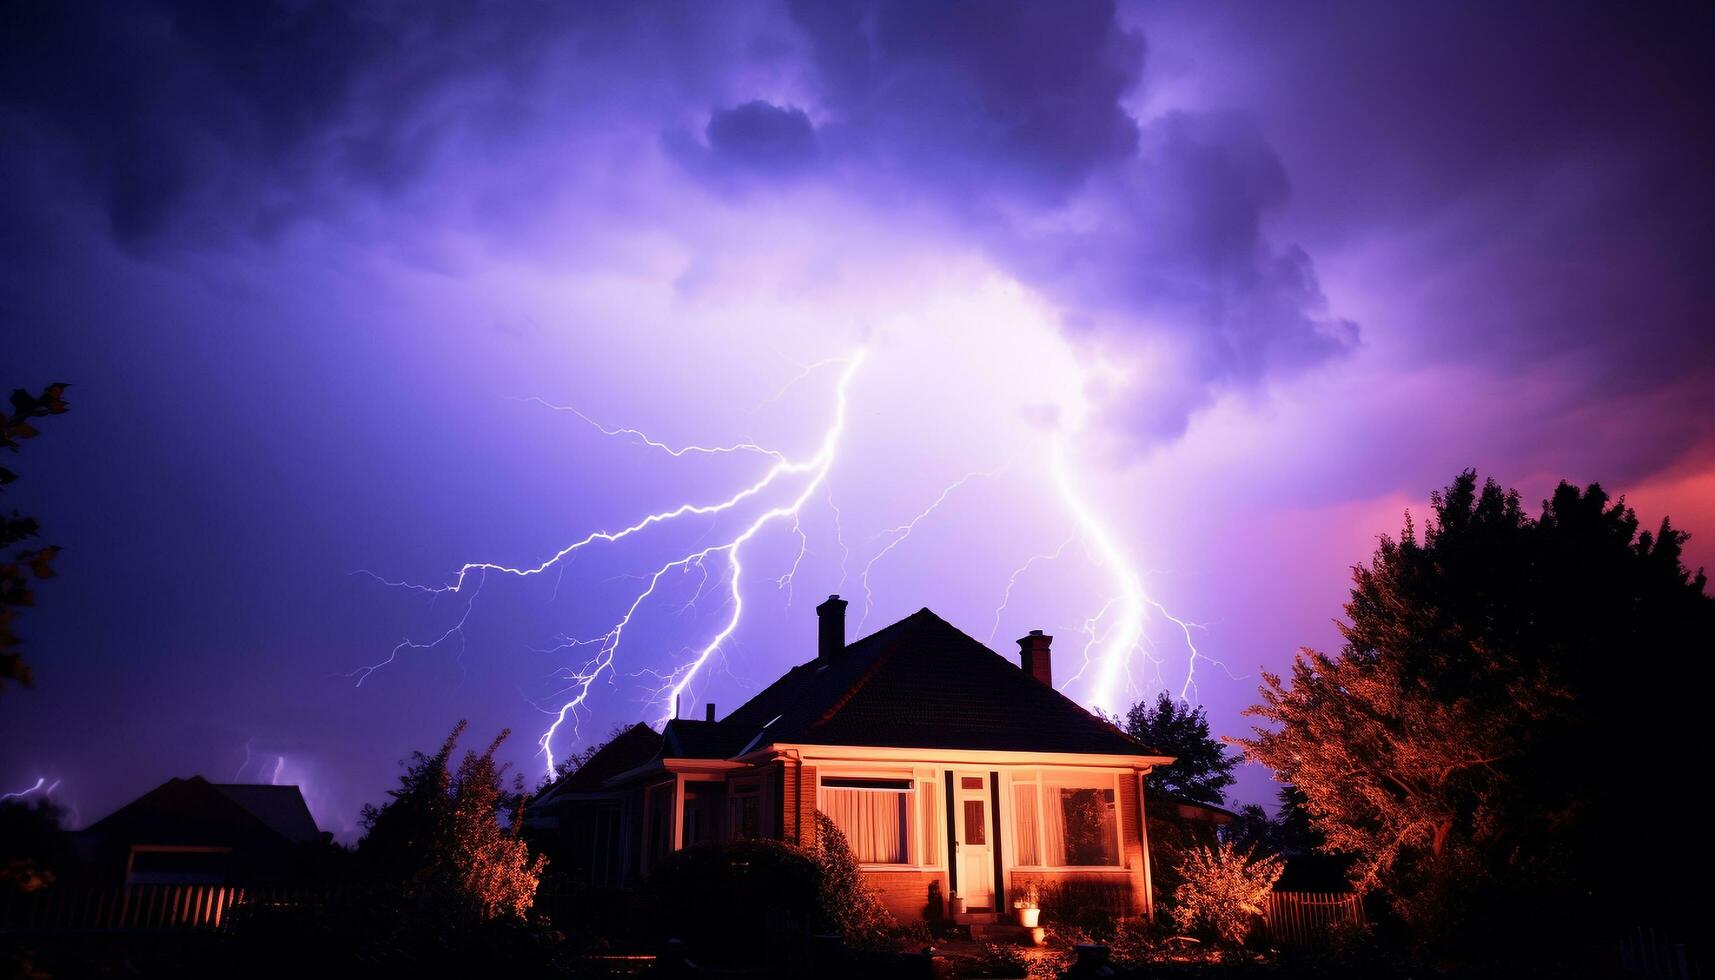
{"points": [[974, 841]]}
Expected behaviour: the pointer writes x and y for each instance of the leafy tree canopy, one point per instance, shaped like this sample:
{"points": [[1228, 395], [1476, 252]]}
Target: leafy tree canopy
{"points": [[1514, 699], [1202, 766]]}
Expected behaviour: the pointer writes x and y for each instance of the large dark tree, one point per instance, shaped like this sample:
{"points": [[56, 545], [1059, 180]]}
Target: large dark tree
{"points": [[19, 569], [1514, 709], [1202, 766]]}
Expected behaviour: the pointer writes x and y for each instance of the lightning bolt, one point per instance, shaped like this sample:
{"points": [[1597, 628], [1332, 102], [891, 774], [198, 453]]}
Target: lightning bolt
{"points": [[41, 785], [1116, 638], [812, 471], [1112, 646]]}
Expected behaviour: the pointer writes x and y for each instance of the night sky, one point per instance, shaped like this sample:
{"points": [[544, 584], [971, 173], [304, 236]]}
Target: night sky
{"points": [[1259, 276]]}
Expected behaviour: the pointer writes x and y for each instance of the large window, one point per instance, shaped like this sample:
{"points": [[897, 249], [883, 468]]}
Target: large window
{"points": [[886, 820], [1066, 822], [874, 814]]}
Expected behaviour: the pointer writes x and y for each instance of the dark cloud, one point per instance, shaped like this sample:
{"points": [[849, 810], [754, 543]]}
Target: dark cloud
{"points": [[763, 137], [1013, 115], [975, 98]]}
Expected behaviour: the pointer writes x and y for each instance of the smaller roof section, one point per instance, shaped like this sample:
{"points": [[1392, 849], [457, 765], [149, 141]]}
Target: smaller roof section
{"points": [[627, 750]]}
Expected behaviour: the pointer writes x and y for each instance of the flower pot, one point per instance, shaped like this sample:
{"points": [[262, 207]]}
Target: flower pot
{"points": [[958, 905], [1028, 918]]}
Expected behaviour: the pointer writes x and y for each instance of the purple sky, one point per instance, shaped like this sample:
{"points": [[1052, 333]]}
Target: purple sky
{"points": [[1259, 276]]}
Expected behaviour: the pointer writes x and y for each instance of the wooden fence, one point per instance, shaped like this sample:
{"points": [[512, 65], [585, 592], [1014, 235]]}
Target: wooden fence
{"points": [[136, 907], [1307, 918], [1646, 953]]}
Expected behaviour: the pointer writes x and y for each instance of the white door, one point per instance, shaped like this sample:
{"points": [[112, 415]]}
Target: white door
{"points": [[974, 840]]}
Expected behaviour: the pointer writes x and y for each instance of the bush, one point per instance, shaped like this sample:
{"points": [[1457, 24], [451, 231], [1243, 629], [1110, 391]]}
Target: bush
{"points": [[1224, 891], [714, 896], [846, 905]]}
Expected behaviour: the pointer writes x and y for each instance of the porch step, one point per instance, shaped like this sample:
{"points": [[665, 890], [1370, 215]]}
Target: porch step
{"points": [[974, 918]]}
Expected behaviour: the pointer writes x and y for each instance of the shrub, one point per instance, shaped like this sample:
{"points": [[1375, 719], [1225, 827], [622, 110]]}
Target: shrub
{"points": [[1224, 891], [713, 896], [846, 905]]}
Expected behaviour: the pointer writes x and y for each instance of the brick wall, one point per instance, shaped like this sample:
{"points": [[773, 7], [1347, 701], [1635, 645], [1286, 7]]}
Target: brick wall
{"points": [[906, 894]]}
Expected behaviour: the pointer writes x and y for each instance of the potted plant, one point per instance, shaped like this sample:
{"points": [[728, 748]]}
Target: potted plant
{"points": [[957, 901], [1028, 906]]}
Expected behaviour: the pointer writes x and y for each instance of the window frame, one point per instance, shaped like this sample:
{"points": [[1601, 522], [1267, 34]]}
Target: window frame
{"points": [[1042, 780], [916, 841]]}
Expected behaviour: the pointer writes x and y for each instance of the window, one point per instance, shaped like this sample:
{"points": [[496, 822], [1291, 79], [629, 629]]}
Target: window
{"points": [[874, 814], [744, 811], [1066, 823], [1081, 831]]}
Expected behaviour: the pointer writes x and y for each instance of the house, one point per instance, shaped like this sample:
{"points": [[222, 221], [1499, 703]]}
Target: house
{"points": [[192, 831], [949, 769]]}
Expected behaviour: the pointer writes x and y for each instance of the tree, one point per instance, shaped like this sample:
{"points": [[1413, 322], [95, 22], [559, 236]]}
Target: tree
{"points": [[29, 564], [1513, 696], [1202, 767], [440, 836]]}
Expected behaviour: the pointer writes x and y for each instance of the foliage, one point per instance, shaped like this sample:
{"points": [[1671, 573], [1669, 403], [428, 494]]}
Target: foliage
{"points": [[1090, 907], [29, 564], [997, 961], [1510, 693], [33, 849], [1202, 766], [715, 897], [846, 904], [1224, 891], [440, 837]]}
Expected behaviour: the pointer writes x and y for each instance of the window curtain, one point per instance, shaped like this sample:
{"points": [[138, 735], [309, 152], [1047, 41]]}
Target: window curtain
{"points": [[931, 840], [1024, 822], [874, 822]]}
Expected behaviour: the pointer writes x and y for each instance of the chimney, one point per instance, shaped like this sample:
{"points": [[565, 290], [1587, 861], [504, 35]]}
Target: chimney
{"points": [[1034, 659], [709, 712], [830, 628]]}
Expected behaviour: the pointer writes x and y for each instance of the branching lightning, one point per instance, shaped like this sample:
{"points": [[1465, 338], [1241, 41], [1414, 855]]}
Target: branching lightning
{"points": [[813, 472], [1115, 636], [41, 786]]}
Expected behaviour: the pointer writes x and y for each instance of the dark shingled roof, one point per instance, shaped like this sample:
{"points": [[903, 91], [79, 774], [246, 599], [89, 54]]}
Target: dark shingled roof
{"points": [[627, 750], [688, 739], [196, 811], [280, 807], [922, 683]]}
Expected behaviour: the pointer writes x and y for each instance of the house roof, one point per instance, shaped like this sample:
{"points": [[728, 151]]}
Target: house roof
{"points": [[627, 750], [922, 683], [687, 739], [280, 807], [195, 811]]}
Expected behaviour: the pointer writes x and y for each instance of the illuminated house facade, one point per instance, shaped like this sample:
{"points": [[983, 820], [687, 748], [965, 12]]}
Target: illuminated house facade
{"points": [[949, 769]]}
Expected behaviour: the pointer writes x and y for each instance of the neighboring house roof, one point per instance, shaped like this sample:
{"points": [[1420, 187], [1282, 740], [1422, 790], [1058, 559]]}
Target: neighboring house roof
{"points": [[195, 811], [280, 807], [919, 683], [1188, 809], [627, 750]]}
